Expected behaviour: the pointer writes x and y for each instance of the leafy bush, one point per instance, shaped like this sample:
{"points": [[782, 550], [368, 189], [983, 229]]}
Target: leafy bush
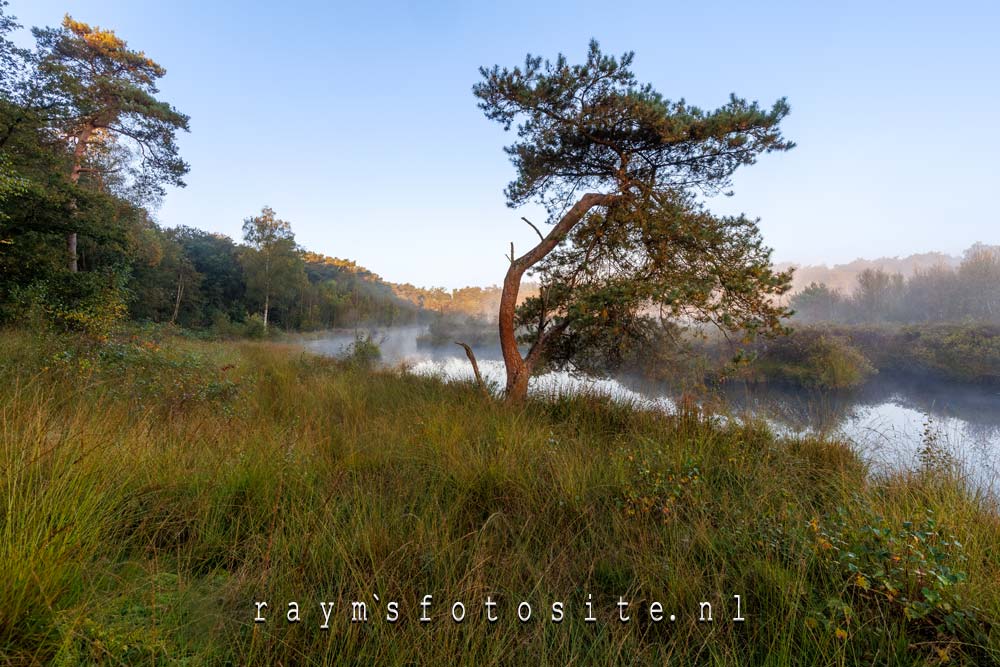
{"points": [[363, 352], [967, 353], [911, 570], [254, 327], [655, 488], [93, 303], [935, 460], [810, 358], [223, 327], [961, 352]]}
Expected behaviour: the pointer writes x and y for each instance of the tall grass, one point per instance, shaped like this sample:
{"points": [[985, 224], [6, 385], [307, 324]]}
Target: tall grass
{"points": [[155, 489]]}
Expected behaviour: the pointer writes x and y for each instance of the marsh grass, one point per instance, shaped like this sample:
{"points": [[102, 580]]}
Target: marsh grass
{"points": [[155, 487]]}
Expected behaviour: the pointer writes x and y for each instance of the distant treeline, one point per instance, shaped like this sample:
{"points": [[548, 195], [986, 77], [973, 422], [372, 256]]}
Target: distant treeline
{"points": [[844, 276], [968, 292], [202, 280], [209, 280], [469, 301]]}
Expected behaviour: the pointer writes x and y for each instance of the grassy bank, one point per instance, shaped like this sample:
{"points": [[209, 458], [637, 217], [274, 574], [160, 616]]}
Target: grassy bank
{"points": [[154, 489]]}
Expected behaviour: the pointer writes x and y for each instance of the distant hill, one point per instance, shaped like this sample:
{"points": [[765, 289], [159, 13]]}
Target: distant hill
{"points": [[843, 277], [353, 279]]}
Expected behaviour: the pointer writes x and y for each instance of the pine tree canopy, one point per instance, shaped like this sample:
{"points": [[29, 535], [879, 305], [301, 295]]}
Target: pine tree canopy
{"points": [[104, 94]]}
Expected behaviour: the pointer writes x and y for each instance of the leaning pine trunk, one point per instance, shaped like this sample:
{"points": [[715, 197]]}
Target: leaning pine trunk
{"points": [[518, 368]]}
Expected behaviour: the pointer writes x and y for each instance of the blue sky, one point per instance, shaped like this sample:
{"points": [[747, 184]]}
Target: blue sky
{"points": [[356, 122]]}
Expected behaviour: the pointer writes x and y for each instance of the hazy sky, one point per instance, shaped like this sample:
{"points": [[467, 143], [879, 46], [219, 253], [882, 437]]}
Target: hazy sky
{"points": [[356, 122]]}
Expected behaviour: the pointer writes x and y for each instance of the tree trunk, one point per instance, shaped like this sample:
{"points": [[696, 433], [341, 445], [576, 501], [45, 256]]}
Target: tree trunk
{"points": [[518, 368], [71, 251], [78, 153], [517, 384], [177, 301], [267, 285]]}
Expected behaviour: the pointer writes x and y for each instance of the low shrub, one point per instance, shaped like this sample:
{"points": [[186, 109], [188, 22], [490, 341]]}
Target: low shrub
{"points": [[809, 358], [910, 570], [958, 352], [363, 352], [254, 327]]}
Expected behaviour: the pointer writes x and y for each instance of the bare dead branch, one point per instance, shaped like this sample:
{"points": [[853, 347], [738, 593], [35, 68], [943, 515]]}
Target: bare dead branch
{"points": [[475, 367], [533, 227]]}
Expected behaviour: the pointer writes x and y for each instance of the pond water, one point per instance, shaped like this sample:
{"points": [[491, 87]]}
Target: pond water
{"points": [[888, 421]]}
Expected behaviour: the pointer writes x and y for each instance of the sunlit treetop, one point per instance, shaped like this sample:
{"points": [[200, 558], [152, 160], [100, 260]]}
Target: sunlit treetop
{"points": [[105, 91], [111, 48]]}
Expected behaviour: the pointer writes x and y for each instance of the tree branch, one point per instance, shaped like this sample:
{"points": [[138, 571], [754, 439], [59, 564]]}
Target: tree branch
{"points": [[538, 348], [542, 238], [475, 367]]}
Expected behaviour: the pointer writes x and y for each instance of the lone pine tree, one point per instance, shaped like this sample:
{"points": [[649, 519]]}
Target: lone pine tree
{"points": [[618, 168]]}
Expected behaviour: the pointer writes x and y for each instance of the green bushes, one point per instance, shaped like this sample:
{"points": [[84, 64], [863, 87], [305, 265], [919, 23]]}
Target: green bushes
{"points": [[254, 327], [93, 303], [910, 570], [363, 352], [224, 327], [958, 352], [812, 359], [657, 488], [840, 356], [837, 356]]}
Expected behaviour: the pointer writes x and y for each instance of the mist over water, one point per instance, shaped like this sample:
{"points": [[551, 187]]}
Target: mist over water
{"points": [[888, 420]]}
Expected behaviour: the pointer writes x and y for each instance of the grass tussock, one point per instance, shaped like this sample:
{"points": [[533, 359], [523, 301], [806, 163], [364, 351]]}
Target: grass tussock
{"points": [[154, 489]]}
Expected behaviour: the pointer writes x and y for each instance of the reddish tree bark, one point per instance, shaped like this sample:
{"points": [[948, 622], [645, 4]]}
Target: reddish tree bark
{"points": [[519, 368]]}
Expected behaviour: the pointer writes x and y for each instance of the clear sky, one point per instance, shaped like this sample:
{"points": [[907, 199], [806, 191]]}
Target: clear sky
{"points": [[355, 121]]}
